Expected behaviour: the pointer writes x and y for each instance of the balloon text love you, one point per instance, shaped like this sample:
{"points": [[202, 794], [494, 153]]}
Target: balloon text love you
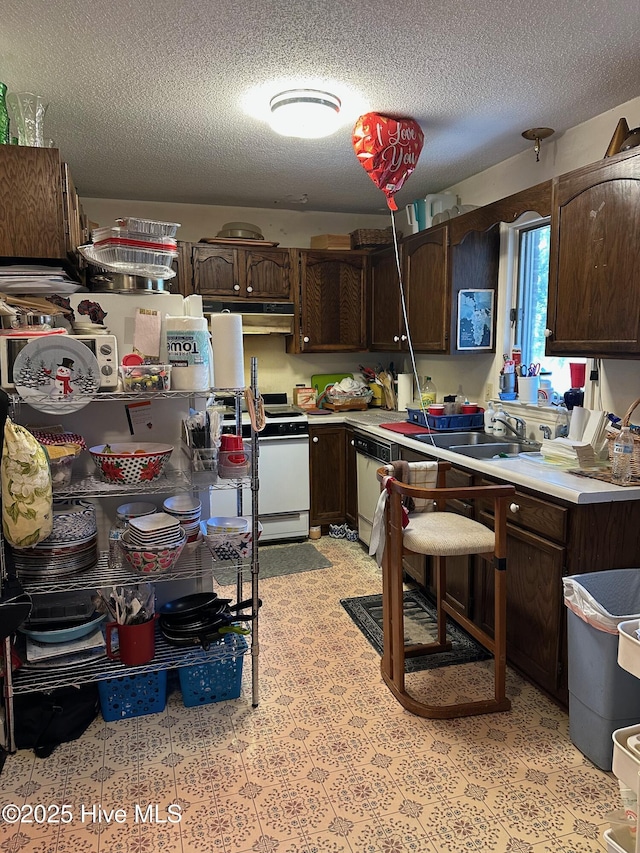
{"points": [[388, 149]]}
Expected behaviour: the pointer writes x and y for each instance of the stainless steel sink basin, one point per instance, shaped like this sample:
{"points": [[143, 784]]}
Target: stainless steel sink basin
{"points": [[478, 445], [457, 439], [499, 449]]}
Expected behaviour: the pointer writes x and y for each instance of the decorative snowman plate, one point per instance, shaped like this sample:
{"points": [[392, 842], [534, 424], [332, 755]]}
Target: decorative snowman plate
{"points": [[56, 374]]}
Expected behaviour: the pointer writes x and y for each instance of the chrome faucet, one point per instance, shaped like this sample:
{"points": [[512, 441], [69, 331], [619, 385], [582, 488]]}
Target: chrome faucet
{"points": [[519, 430], [546, 430]]}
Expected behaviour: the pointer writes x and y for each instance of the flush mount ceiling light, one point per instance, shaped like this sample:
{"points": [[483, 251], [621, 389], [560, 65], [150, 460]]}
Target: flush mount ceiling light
{"points": [[305, 113], [538, 134]]}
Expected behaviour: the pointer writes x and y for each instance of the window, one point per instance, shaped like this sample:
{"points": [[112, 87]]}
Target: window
{"points": [[529, 316]]}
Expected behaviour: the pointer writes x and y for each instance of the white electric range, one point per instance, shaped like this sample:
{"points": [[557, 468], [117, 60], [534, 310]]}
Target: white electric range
{"points": [[283, 472]]}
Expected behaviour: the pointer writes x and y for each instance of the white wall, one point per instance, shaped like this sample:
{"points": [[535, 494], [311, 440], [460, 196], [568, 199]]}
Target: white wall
{"points": [[560, 153], [586, 143], [289, 228]]}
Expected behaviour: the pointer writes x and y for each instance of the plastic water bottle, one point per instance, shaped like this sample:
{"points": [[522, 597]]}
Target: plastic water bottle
{"points": [[630, 805], [428, 392], [499, 428], [622, 454], [489, 414]]}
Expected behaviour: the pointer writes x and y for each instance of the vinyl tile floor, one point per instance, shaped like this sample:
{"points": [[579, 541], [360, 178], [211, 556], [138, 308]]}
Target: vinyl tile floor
{"points": [[328, 761]]}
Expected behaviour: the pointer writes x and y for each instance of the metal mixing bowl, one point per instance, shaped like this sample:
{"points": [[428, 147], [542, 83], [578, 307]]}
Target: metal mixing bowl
{"points": [[244, 230], [116, 282]]}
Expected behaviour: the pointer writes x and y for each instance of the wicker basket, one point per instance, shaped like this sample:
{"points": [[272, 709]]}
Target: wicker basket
{"points": [[635, 458], [371, 238]]}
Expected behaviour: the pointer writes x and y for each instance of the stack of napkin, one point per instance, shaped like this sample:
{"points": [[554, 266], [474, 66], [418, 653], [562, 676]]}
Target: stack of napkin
{"points": [[585, 442]]}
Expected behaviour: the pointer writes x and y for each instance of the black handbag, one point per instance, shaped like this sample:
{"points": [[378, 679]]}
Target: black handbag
{"points": [[45, 720]]}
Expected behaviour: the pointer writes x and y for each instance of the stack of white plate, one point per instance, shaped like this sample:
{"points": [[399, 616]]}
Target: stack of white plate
{"points": [[187, 509], [157, 530], [224, 524]]}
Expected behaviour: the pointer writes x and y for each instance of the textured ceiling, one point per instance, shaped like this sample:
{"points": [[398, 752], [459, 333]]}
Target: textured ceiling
{"points": [[146, 100]]}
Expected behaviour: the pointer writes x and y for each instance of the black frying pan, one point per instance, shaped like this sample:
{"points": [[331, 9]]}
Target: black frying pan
{"points": [[201, 638], [205, 624], [208, 609], [201, 623], [190, 604]]}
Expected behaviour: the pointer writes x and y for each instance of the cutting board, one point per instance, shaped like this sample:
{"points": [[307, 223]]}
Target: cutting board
{"points": [[319, 381], [405, 428]]}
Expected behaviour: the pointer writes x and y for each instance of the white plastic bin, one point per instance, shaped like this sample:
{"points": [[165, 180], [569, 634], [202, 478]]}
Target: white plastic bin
{"points": [[613, 846], [602, 696], [629, 646]]}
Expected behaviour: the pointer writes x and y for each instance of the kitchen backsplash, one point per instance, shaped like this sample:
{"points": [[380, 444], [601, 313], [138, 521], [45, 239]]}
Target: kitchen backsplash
{"points": [[280, 371]]}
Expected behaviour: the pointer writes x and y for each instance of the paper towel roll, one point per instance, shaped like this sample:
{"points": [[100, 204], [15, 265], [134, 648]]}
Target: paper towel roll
{"points": [[228, 350], [405, 390], [188, 353]]}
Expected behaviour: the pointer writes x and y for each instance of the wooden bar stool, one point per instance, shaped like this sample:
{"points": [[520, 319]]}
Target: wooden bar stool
{"points": [[436, 532]]}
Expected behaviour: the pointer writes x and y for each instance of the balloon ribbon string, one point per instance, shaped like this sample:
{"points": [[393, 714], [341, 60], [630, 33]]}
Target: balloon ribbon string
{"points": [[403, 303]]}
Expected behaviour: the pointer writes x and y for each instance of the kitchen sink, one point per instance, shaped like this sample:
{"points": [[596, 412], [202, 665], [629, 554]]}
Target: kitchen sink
{"points": [[451, 439], [499, 449], [478, 445]]}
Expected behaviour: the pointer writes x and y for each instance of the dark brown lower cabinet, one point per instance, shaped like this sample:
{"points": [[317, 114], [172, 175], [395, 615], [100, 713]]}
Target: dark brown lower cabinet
{"points": [[537, 534], [534, 603], [327, 471]]}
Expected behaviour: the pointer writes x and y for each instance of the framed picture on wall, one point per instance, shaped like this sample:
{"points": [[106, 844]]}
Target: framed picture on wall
{"points": [[475, 320]]}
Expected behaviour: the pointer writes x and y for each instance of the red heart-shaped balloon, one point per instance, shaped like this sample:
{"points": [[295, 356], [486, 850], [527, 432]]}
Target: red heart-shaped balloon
{"points": [[388, 149]]}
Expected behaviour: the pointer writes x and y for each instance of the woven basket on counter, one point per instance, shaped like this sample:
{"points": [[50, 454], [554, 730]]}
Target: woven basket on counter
{"points": [[635, 458], [372, 238]]}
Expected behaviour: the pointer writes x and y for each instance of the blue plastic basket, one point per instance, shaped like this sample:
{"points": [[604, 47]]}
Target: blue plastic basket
{"points": [[133, 695], [446, 422], [215, 680]]}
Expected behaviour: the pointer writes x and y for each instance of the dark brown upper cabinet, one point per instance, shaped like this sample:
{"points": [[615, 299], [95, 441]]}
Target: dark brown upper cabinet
{"points": [[594, 263], [40, 214], [330, 303], [387, 329], [241, 272], [428, 288]]}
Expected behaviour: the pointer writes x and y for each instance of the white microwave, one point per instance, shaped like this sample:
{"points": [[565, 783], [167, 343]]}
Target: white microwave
{"points": [[104, 348]]}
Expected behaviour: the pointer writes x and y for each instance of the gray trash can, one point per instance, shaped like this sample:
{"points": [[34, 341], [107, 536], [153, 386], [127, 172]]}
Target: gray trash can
{"points": [[603, 697]]}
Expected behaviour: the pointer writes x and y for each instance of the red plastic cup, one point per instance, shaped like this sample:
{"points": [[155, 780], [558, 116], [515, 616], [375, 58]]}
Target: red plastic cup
{"points": [[136, 643], [230, 442], [577, 374]]}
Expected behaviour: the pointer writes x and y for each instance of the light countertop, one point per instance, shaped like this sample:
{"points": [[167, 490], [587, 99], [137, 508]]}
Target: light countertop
{"points": [[535, 475]]}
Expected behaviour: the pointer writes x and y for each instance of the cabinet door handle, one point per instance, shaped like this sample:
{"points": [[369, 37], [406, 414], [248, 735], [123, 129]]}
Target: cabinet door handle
{"points": [[315, 439], [514, 507], [236, 287], [353, 443], [548, 333], [396, 339], [305, 339], [249, 289], [403, 337]]}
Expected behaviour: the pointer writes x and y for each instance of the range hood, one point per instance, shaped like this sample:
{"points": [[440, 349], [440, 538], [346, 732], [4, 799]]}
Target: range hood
{"points": [[258, 318]]}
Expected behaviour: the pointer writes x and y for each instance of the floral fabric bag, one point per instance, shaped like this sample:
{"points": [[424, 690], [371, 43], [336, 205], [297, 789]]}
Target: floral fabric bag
{"points": [[27, 499]]}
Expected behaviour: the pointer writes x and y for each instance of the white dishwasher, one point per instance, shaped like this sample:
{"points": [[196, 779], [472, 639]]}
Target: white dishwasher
{"points": [[371, 453]]}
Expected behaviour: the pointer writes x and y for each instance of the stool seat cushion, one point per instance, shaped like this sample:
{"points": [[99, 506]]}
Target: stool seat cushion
{"points": [[446, 534]]}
